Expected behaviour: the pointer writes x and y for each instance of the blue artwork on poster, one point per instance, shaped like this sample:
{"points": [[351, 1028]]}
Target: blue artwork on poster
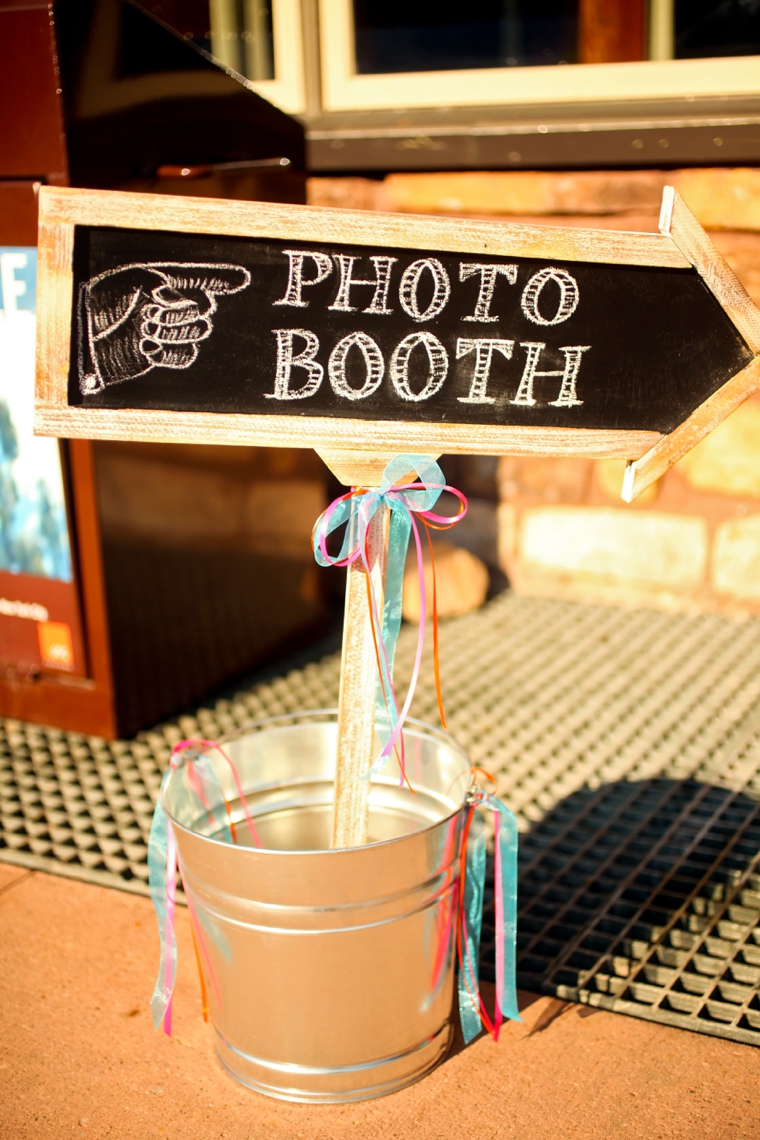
{"points": [[34, 537]]}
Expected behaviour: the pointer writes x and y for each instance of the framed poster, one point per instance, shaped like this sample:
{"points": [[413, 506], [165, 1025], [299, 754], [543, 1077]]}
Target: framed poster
{"points": [[40, 628]]}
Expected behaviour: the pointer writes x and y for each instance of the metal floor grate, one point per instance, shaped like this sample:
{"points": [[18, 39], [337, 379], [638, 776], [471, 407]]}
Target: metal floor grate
{"points": [[626, 741]]}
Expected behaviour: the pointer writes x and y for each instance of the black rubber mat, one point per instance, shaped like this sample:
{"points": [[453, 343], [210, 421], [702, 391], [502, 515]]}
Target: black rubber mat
{"points": [[183, 622], [626, 741]]}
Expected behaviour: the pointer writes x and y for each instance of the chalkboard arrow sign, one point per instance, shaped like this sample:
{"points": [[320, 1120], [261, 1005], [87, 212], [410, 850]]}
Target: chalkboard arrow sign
{"points": [[364, 334]]}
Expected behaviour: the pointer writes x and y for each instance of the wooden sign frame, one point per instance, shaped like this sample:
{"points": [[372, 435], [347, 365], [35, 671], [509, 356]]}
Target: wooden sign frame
{"points": [[356, 448]]}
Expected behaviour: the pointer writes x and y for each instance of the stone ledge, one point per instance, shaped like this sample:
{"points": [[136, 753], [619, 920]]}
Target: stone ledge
{"points": [[725, 198], [728, 460], [652, 549], [736, 558]]}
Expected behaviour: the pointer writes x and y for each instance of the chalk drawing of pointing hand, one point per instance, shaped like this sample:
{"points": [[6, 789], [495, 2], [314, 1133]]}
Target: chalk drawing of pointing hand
{"points": [[141, 317]]}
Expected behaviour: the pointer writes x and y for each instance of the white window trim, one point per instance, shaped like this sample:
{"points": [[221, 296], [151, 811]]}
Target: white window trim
{"points": [[287, 90], [344, 90]]}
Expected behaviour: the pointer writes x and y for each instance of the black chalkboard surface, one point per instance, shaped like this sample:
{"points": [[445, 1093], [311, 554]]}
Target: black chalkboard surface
{"points": [[209, 323]]}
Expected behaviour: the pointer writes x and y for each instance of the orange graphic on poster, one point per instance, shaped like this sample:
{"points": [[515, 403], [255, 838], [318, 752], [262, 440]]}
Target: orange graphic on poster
{"points": [[56, 649]]}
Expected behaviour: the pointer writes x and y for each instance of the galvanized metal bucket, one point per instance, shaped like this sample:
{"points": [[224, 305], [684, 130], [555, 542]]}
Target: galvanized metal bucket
{"points": [[329, 972]]}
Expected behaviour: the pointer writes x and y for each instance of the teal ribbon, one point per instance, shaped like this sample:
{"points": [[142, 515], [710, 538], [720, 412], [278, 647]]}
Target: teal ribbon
{"points": [[471, 921], [159, 873], [505, 893], [472, 1013], [201, 793], [355, 511]]}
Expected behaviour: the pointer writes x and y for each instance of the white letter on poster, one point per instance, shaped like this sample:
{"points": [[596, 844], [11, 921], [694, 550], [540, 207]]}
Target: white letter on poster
{"points": [[410, 284], [488, 275], [484, 350], [567, 395], [568, 296], [383, 266], [438, 361], [296, 279], [373, 360], [286, 362], [12, 287]]}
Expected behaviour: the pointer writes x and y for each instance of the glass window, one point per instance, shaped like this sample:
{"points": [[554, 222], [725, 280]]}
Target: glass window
{"points": [[241, 36], [716, 27], [139, 55], [261, 40], [239, 33], [440, 35]]}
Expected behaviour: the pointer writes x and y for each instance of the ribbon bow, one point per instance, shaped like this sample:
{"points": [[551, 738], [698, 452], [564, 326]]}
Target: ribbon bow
{"points": [[409, 502], [472, 1011]]}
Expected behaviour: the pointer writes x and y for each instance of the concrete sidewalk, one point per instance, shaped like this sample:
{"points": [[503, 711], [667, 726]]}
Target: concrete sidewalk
{"points": [[79, 1057]]}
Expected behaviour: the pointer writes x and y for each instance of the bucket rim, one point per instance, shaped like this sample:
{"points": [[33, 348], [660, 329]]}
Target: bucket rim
{"points": [[285, 720], [303, 714]]}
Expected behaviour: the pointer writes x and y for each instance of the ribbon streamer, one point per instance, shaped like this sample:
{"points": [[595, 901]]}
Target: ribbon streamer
{"points": [[472, 1012], [163, 867], [408, 502]]}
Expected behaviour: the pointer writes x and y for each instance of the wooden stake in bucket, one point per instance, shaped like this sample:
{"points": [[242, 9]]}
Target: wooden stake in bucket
{"points": [[358, 688], [379, 523]]}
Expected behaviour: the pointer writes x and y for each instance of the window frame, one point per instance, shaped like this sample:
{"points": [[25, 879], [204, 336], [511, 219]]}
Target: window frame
{"points": [[288, 89], [344, 90]]}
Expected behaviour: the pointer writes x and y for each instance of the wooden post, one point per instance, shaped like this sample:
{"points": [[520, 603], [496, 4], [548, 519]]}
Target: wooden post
{"points": [[358, 686], [358, 670]]}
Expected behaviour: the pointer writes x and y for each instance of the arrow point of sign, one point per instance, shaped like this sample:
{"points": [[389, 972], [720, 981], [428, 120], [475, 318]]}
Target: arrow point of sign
{"points": [[679, 224]]}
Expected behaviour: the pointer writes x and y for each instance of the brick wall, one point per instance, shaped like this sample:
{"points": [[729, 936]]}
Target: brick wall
{"points": [[693, 540]]}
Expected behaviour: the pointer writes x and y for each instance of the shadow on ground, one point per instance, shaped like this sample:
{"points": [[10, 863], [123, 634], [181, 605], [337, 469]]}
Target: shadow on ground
{"points": [[642, 896]]}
